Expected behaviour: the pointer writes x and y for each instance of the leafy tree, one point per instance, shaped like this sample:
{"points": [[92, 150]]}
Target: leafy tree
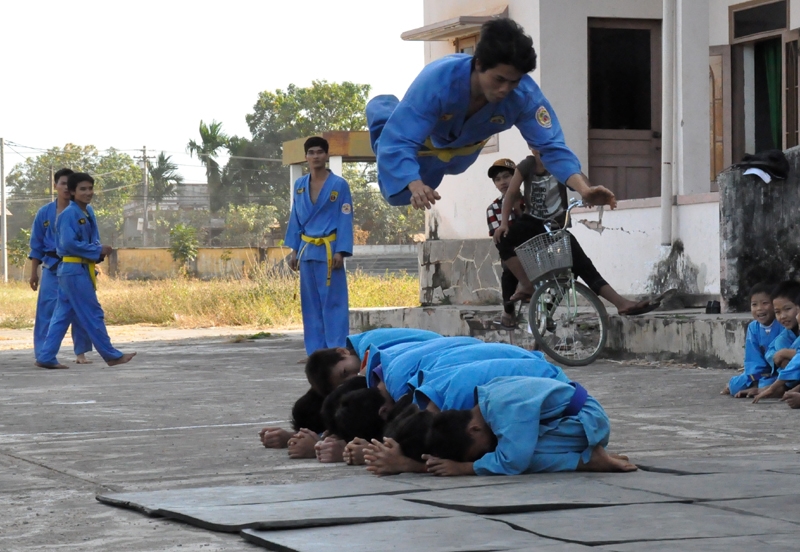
{"points": [[212, 140], [116, 179], [18, 248], [248, 225], [164, 178], [183, 244]]}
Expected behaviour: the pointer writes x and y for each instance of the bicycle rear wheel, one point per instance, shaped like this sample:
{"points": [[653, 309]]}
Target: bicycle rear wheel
{"points": [[568, 321]]}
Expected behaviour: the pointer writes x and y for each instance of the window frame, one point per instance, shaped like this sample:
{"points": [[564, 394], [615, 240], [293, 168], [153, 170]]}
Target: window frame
{"points": [[758, 36]]}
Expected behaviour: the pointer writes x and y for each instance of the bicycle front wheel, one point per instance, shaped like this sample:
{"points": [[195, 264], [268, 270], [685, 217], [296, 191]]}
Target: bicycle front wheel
{"points": [[568, 321]]}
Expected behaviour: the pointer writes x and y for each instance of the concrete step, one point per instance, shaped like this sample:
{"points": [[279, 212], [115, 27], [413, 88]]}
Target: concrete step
{"points": [[710, 340], [380, 264]]}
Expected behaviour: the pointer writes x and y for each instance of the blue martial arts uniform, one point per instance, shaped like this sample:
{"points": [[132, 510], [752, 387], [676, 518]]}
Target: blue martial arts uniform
{"points": [[77, 237], [427, 135], [454, 388], [43, 249], [318, 231], [791, 372], [784, 340], [395, 366], [383, 338], [756, 368], [567, 433], [443, 365]]}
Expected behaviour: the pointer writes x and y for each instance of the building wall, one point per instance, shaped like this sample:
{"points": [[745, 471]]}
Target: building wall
{"points": [[627, 258], [718, 20]]}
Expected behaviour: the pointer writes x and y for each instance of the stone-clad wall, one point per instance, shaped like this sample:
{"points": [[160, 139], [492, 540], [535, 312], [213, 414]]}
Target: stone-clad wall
{"points": [[459, 272], [759, 232]]}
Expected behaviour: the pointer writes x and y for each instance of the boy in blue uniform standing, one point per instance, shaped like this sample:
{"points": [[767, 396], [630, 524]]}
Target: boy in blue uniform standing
{"points": [[43, 252], [78, 245], [761, 332], [452, 109], [320, 233]]}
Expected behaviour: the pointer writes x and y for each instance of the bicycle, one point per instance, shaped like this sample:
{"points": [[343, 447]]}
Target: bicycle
{"points": [[567, 319]]}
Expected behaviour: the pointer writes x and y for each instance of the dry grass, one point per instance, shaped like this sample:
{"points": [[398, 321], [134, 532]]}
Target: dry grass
{"points": [[269, 299]]}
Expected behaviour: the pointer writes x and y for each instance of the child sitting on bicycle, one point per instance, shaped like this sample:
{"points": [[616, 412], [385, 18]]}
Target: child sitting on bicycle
{"points": [[546, 200]]}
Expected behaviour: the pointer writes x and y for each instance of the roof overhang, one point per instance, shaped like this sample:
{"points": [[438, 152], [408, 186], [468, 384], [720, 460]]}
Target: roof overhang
{"points": [[464, 25], [351, 146]]}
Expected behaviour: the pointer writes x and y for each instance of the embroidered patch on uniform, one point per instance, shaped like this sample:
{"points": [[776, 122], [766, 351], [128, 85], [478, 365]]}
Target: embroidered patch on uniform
{"points": [[446, 117], [498, 120], [334, 195], [46, 223], [543, 117], [300, 190], [82, 221], [346, 209]]}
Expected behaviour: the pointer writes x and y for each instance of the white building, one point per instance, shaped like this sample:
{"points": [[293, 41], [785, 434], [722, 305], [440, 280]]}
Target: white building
{"points": [[719, 77]]}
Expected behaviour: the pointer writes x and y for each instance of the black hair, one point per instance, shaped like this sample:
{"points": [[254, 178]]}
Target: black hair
{"points": [[318, 369], [331, 403], [504, 42], [788, 289], [62, 172], [358, 415], [761, 287], [316, 142], [448, 437], [306, 412], [77, 178], [410, 430]]}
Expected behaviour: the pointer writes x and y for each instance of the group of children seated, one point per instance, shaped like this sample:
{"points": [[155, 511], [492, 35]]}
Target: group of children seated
{"points": [[406, 400], [771, 362]]}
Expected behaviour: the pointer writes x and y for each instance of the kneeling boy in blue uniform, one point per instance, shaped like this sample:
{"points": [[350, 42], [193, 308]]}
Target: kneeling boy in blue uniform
{"points": [[79, 248], [523, 425]]}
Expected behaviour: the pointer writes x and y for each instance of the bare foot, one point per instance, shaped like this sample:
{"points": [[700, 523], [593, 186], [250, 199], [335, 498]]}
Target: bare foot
{"points": [[354, 452], [121, 360], [51, 366], [618, 456], [81, 359], [302, 443], [274, 437], [726, 391], [330, 450], [601, 461]]}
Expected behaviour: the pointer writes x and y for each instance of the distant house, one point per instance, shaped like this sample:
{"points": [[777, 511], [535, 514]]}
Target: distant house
{"points": [[190, 197]]}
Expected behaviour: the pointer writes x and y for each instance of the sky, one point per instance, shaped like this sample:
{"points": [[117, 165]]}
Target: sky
{"points": [[128, 74]]}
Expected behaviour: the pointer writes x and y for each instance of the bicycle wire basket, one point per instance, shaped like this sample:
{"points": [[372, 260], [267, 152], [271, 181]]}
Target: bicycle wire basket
{"points": [[545, 253]]}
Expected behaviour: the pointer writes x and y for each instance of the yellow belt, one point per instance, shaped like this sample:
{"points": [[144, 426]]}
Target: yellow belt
{"points": [[87, 262], [326, 241], [445, 155]]}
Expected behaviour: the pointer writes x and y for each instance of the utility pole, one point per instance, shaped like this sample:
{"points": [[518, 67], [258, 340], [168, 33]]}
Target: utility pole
{"points": [[146, 185], [52, 184], [3, 222]]}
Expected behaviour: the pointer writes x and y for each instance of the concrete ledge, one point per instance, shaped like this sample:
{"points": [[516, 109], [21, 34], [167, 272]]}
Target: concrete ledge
{"points": [[689, 335]]}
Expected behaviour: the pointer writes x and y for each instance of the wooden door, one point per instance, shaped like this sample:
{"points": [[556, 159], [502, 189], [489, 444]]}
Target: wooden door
{"points": [[625, 106]]}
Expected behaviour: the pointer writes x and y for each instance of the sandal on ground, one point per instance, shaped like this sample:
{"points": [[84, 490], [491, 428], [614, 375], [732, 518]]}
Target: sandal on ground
{"points": [[501, 323]]}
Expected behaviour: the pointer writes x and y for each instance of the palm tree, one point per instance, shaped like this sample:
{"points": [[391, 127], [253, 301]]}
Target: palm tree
{"points": [[212, 139], [164, 178]]}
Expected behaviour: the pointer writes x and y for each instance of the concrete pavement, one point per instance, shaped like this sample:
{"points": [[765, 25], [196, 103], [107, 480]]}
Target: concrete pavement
{"points": [[186, 412]]}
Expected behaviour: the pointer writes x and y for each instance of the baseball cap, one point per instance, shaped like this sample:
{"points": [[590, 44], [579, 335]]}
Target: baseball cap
{"points": [[501, 164]]}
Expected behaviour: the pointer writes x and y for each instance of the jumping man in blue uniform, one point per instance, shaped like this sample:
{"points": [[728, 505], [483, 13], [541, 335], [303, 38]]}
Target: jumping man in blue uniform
{"points": [[320, 233], [454, 106], [78, 245], [43, 252]]}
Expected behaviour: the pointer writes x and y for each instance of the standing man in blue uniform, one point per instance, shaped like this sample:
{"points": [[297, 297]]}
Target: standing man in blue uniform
{"points": [[452, 109], [78, 245], [320, 233], [43, 252]]}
